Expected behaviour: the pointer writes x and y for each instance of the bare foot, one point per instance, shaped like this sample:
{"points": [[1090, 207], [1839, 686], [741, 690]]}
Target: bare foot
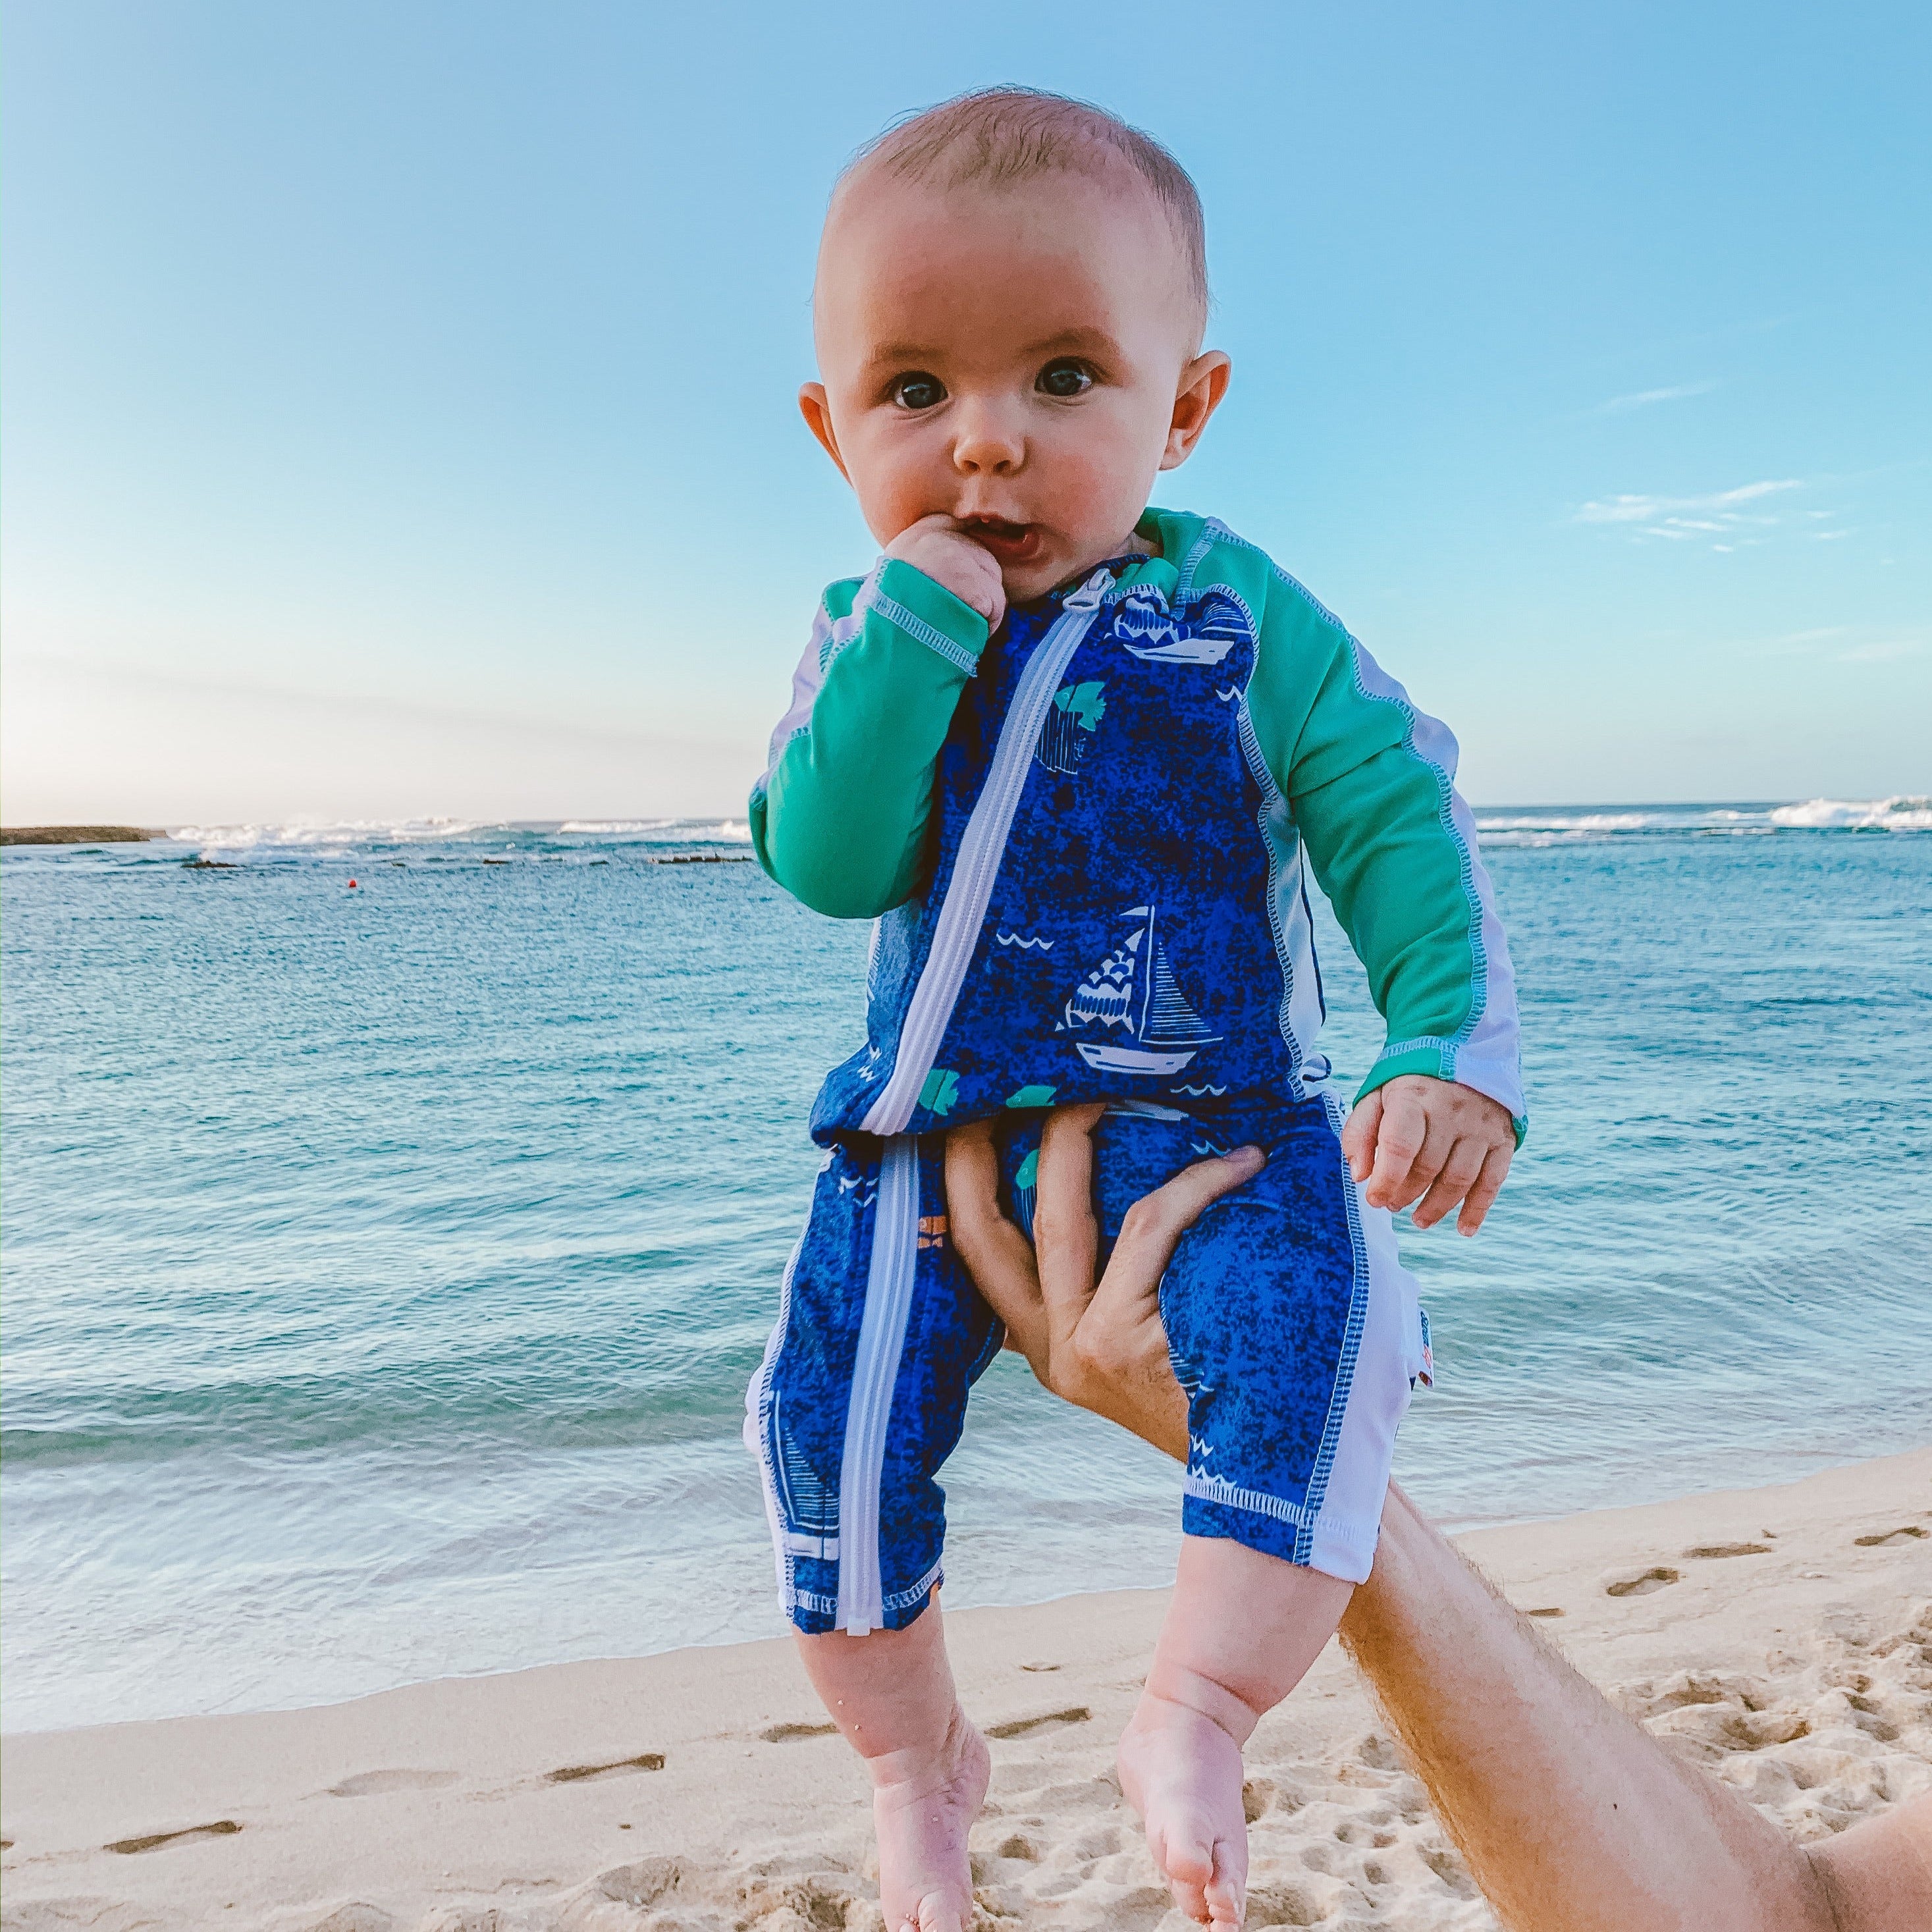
{"points": [[921, 1814], [1182, 1772]]}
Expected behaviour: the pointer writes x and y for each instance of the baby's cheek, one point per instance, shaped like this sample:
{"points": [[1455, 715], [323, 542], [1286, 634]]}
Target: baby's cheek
{"points": [[898, 479], [1100, 477]]}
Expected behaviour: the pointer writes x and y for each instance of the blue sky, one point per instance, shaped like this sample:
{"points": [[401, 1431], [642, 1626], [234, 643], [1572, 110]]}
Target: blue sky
{"points": [[398, 410]]}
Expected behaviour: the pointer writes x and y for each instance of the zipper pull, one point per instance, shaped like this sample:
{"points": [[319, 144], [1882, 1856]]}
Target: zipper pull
{"points": [[1087, 597]]}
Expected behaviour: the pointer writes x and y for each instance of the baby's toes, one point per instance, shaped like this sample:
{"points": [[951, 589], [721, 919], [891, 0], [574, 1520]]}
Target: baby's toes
{"points": [[1227, 1891], [937, 1913], [1186, 1857]]}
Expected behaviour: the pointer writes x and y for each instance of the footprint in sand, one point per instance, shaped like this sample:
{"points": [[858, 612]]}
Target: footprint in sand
{"points": [[1890, 1539], [1026, 1727], [222, 1827], [623, 1767], [1658, 1577], [1705, 1552], [784, 1734], [374, 1784]]}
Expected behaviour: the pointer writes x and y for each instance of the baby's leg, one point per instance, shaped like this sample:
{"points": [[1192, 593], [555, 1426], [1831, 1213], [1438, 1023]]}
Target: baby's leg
{"points": [[859, 1400], [1293, 1331], [891, 1693], [1240, 1634]]}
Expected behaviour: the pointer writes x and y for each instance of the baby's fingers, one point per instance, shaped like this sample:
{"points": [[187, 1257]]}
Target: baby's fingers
{"points": [[1458, 1175], [1399, 1138], [1482, 1195], [1358, 1136]]}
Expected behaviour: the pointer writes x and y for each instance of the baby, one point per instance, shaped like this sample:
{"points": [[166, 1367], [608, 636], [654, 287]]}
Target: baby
{"points": [[1069, 752]]}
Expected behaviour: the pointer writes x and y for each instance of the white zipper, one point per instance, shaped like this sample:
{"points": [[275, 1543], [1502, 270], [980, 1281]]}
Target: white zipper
{"points": [[875, 1373], [982, 847]]}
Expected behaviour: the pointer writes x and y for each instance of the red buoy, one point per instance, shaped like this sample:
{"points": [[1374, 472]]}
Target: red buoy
{"points": [[352, 885]]}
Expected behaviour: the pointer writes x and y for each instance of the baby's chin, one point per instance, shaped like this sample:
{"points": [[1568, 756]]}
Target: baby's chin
{"points": [[1027, 581]]}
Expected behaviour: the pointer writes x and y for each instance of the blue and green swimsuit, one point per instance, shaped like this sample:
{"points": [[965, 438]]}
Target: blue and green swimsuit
{"points": [[1082, 840]]}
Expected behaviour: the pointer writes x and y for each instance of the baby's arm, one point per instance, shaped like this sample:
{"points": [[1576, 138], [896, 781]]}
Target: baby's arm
{"points": [[1370, 782], [839, 818]]}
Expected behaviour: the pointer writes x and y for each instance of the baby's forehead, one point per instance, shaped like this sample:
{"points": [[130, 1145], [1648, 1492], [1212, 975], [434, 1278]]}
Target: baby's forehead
{"points": [[882, 220]]}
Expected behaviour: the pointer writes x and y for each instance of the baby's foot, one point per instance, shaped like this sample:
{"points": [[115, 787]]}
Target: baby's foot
{"points": [[926, 1882], [1182, 1772]]}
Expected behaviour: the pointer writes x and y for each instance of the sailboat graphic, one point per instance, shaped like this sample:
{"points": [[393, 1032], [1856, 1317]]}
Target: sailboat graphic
{"points": [[1134, 989]]}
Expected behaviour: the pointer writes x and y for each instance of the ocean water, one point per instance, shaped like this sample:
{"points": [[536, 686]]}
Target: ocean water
{"points": [[384, 1266]]}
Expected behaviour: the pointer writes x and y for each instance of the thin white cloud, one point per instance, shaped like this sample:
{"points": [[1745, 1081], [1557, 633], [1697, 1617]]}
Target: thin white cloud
{"points": [[1836, 643], [1656, 509], [1886, 650], [1643, 399], [1724, 513]]}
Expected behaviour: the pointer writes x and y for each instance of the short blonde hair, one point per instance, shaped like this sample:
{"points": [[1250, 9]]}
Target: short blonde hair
{"points": [[1000, 135]]}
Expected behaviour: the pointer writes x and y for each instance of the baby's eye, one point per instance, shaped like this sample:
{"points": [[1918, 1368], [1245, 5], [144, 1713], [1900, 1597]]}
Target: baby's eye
{"points": [[918, 391], [1064, 379]]}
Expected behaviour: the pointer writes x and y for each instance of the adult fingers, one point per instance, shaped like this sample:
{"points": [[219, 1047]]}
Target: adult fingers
{"points": [[1400, 1136], [1457, 1175], [1127, 1302], [972, 1176], [1488, 1185], [1066, 1240], [1121, 1329], [999, 1258], [1171, 1210], [1358, 1137]]}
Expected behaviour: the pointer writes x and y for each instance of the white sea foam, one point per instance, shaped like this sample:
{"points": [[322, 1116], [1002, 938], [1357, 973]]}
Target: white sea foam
{"points": [[1900, 813], [318, 832], [682, 831], [323, 835], [1555, 826]]}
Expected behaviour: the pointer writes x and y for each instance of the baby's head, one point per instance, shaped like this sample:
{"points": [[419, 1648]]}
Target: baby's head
{"points": [[1012, 291]]}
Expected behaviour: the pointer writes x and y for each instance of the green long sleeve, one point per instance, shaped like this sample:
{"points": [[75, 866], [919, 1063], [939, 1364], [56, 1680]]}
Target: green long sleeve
{"points": [[839, 818], [1369, 782]]}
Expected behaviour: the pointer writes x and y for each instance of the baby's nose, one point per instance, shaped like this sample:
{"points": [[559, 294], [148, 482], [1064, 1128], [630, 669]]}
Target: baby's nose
{"points": [[986, 440]]}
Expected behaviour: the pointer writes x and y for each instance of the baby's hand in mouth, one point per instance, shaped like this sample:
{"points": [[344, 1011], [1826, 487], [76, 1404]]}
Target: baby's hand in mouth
{"points": [[1012, 543], [957, 556]]}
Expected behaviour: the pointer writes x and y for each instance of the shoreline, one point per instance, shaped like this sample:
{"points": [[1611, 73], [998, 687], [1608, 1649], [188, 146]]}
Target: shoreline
{"points": [[699, 1788]]}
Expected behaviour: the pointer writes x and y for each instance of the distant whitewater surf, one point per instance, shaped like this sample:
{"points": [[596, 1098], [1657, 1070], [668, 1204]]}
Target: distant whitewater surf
{"points": [[1531, 826]]}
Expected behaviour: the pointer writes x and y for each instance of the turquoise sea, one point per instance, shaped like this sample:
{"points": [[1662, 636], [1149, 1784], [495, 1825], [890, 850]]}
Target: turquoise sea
{"points": [[384, 1266]]}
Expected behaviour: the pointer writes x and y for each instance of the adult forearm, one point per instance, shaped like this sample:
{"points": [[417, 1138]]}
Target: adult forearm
{"points": [[1572, 1818]]}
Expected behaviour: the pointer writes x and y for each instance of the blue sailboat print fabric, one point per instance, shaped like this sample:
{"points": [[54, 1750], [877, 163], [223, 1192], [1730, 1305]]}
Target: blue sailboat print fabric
{"points": [[1128, 949]]}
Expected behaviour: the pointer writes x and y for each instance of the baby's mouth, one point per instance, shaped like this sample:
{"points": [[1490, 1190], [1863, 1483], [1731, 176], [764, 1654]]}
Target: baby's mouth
{"points": [[1011, 543]]}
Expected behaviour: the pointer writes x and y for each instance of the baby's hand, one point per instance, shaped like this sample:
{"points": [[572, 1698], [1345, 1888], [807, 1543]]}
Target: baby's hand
{"points": [[1415, 1133], [936, 545]]}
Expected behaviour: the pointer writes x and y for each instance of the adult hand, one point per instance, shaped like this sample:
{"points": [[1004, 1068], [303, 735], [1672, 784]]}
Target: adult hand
{"points": [[1100, 1346], [1435, 1141], [939, 546]]}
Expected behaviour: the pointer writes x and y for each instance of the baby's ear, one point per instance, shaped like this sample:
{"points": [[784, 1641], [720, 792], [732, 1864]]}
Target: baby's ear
{"points": [[1203, 383], [816, 408]]}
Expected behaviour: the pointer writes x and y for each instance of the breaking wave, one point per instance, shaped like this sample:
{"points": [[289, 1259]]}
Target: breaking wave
{"points": [[1552, 825]]}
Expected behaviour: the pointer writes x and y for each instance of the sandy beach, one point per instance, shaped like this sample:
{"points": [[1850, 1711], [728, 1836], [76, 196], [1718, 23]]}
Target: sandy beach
{"points": [[1782, 1636]]}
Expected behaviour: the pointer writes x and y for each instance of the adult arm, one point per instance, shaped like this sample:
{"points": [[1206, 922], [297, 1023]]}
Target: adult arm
{"points": [[839, 817], [1571, 1816]]}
